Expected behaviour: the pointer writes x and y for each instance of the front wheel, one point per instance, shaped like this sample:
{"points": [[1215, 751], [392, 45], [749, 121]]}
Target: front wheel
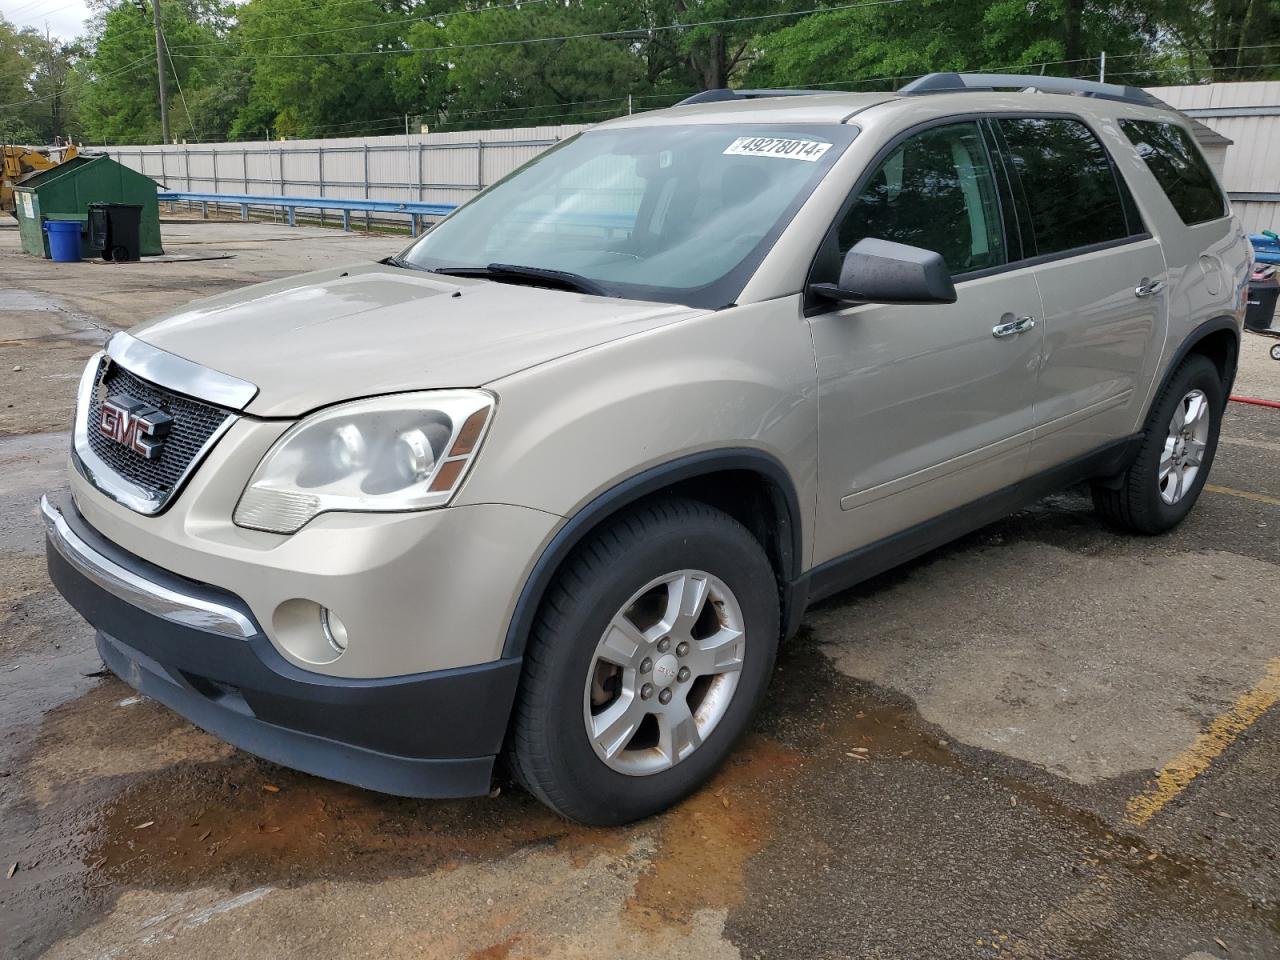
{"points": [[646, 662], [1178, 444]]}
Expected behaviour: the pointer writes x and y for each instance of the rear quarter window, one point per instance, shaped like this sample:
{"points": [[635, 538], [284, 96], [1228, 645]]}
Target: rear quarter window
{"points": [[1179, 167]]}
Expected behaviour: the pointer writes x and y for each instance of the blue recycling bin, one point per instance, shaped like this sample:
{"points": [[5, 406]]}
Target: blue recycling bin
{"points": [[1266, 247], [64, 240]]}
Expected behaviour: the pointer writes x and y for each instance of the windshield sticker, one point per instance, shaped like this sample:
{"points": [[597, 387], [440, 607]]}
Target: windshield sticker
{"points": [[808, 150]]}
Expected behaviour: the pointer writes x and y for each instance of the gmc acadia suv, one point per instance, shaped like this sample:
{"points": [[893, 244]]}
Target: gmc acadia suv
{"points": [[553, 483]]}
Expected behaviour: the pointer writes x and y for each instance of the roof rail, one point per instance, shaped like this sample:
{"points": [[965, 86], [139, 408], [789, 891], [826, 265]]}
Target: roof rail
{"points": [[725, 94], [954, 82]]}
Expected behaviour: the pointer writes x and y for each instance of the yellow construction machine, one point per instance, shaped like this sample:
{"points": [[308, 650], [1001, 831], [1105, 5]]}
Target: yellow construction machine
{"points": [[20, 161]]}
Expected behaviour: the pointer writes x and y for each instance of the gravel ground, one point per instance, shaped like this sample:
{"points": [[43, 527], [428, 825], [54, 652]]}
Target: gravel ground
{"points": [[958, 759]]}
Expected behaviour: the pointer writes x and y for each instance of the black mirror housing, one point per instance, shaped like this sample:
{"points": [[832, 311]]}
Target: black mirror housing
{"points": [[881, 271]]}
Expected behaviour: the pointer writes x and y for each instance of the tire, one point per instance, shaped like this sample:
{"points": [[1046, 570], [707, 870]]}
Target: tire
{"points": [[119, 254], [671, 543], [1141, 502], [1275, 352]]}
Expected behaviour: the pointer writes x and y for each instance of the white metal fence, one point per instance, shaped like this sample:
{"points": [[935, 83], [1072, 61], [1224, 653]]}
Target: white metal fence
{"points": [[451, 167], [432, 167]]}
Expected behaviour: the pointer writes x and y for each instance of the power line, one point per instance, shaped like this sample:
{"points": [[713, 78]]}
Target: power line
{"points": [[624, 34], [164, 41], [25, 6], [826, 83], [35, 14], [362, 26], [51, 96], [1188, 69]]}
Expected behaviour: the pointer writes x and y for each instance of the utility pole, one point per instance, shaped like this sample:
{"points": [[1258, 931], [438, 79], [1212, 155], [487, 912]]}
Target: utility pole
{"points": [[161, 55]]}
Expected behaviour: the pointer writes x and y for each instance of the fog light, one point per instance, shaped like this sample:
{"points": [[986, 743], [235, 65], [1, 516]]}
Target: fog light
{"points": [[335, 631]]}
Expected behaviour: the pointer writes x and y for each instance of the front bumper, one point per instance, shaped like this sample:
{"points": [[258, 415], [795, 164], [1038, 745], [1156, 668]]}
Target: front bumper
{"points": [[199, 651]]}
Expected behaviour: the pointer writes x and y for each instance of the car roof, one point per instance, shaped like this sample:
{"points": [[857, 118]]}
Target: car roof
{"points": [[834, 107], [843, 107]]}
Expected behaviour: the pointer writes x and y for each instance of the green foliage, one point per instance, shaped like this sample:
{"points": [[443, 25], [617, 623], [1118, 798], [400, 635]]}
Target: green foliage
{"points": [[36, 86], [539, 82], [886, 45], [122, 101], [312, 95], [311, 68]]}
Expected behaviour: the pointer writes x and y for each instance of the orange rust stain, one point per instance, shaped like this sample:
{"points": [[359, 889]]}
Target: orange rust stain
{"points": [[496, 951], [706, 841], [215, 821]]}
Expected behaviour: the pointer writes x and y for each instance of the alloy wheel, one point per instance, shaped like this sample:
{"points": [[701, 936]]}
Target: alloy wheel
{"points": [[664, 672], [1184, 447]]}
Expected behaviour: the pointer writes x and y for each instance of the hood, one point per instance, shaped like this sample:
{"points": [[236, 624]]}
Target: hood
{"points": [[318, 338]]}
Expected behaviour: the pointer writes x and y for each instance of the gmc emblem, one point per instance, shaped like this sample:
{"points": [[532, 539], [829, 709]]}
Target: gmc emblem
{"points": [[134, 424]]}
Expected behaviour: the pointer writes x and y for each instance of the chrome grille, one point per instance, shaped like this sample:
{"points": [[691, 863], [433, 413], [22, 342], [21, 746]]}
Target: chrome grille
{"points": [[195, 424]]}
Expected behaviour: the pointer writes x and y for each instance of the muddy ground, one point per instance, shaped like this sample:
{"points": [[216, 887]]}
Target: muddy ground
{"points": [[1045, 740]]}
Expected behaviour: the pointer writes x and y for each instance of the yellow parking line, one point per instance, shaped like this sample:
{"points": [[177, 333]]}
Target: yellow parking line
{"points": [[1243, 494], [1179, 773]]}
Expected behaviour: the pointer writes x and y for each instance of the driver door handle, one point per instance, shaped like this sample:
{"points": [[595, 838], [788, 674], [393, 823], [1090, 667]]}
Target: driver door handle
{"points": [[1010, 327], [1147, 287]]}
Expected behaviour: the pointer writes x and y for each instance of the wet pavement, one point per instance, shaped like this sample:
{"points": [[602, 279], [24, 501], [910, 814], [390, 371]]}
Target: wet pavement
{"points": [[1046, 740]]}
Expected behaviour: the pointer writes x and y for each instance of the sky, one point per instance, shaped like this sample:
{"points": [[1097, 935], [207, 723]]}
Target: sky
{"points": [[65, 18]]}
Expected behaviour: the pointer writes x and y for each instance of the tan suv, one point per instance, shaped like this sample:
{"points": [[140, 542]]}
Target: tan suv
{"points": [[553, 483]]}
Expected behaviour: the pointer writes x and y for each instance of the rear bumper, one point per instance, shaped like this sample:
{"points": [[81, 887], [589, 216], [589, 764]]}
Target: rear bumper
{"points": [[199, 651]]}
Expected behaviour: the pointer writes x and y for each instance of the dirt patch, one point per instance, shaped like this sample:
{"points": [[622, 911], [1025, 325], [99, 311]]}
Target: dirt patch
{"points": [[497, 951], [245, 822], [41, 394], [27, 607]]}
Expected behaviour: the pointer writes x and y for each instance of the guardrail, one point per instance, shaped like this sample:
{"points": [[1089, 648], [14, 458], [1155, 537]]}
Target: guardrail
{"points": [[414, 209]]}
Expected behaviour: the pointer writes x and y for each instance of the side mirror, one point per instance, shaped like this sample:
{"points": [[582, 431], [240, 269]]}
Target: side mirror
{"points": [[880, 271]]}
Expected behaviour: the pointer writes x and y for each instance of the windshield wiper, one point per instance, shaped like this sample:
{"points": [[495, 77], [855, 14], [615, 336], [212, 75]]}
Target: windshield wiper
{"points": [[542, 275], [397, 261]]}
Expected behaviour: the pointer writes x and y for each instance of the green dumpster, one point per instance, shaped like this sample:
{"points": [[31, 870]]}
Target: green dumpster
{"points": [[64, 192]]}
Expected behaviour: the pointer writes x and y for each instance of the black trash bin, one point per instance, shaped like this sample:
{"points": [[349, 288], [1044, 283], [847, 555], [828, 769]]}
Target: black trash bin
{"points": [[1260, 315], [115, 228]]}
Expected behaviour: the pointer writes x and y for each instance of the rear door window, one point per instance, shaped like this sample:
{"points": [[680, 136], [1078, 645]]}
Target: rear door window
{"points": [[1179, 167], [935, 191], [1070, 188]]}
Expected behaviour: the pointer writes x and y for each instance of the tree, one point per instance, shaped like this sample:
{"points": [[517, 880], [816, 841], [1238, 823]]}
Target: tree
{"points": [[312, 66], [15, 71], [466, 71], [37, 86], [888, 44], [53, 84], [122, 102], [1219, 40]]}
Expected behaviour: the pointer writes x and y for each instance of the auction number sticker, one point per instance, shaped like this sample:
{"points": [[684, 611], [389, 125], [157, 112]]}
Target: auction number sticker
{"points": [[786, 149]]}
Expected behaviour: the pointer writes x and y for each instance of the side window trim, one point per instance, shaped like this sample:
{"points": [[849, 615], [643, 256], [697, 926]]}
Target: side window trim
{"points": [[814, 306], [1011, 198], [1137, 229], [1021, 213]]}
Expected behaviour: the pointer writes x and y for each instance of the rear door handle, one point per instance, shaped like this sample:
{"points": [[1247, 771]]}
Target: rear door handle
{"points": [[1009, 326], [1147, 287]]}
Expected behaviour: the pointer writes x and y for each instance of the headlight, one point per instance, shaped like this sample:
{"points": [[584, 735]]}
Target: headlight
{"points": [[404, 452]]}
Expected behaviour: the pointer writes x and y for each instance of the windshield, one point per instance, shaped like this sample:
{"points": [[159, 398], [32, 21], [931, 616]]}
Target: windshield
{"points": [[681, 213]]}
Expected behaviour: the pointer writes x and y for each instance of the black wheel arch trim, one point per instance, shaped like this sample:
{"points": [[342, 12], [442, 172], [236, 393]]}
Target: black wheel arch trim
{"points": [[646, 483], [1188, 344]]}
